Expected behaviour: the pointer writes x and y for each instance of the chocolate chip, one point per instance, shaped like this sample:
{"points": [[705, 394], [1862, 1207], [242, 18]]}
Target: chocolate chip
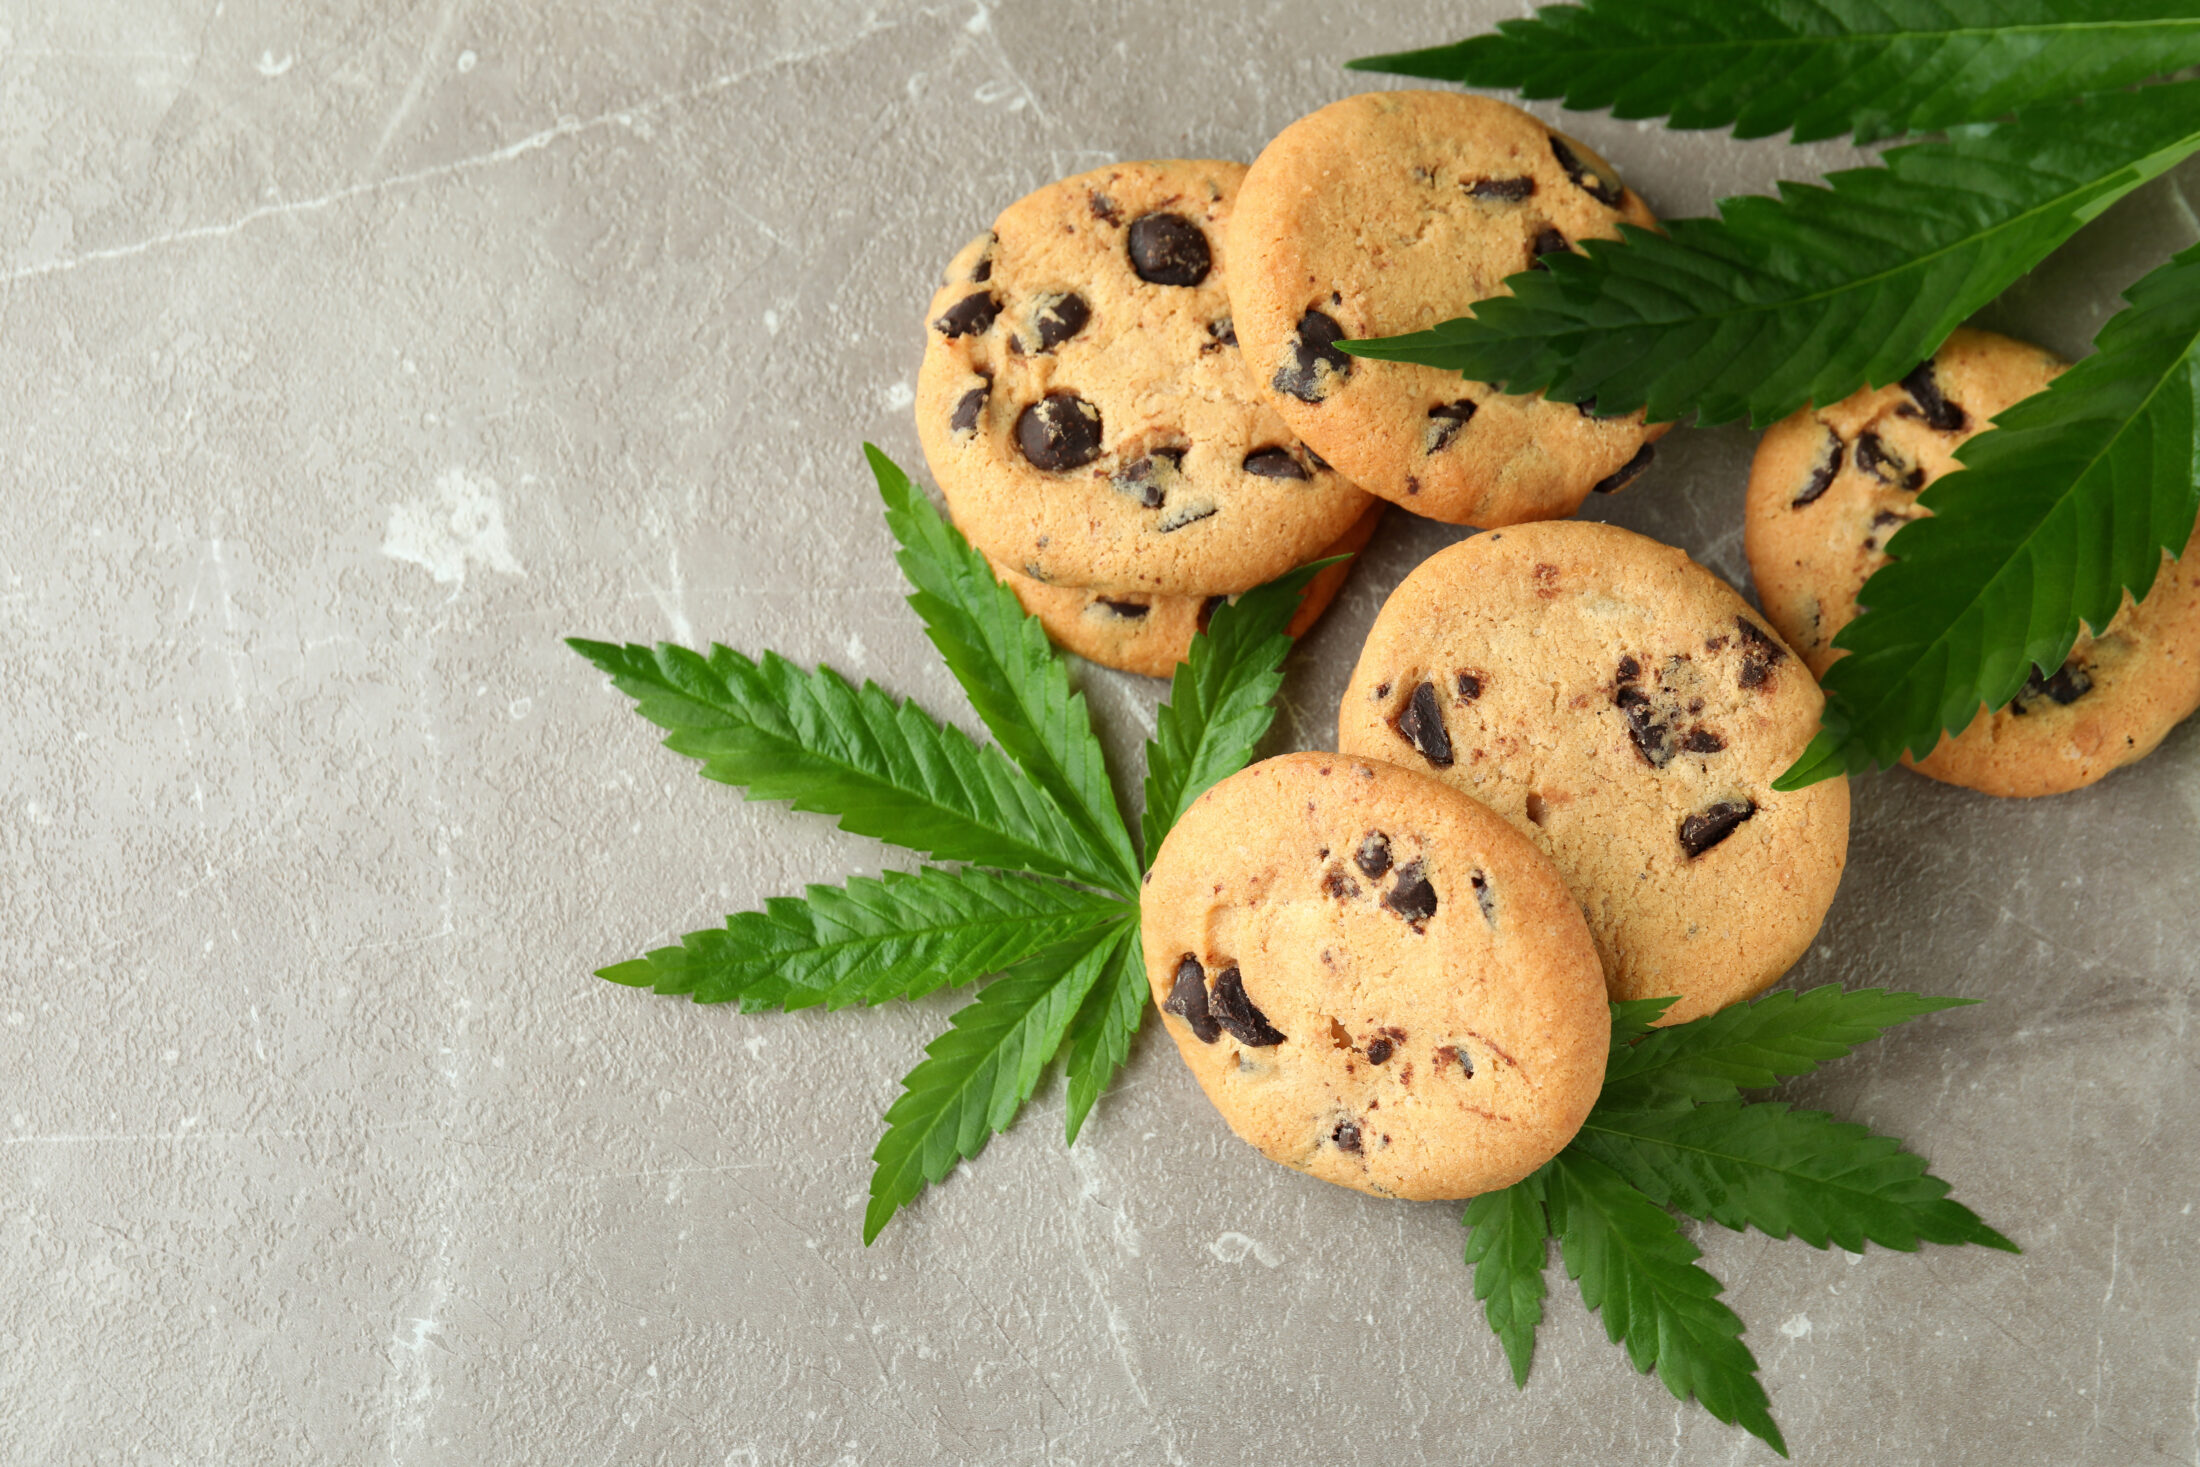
{"points": [[1627, 472], [1884, 464], [968, 408], [1060, 431], [1482, 897], [970, 316], [1707, 827], [1421, 724], [1547, 242], [1058, 318], [1235, 1012], [1337, 885], [1444, 422], [1823, 470], [981, 272], [1373, 856], [1470, 686], [1103, 207], [1224, 331], [1148, 478], [1411, 896], [1939, 414], [1604, 190], [2070, 683], [1188, 1000], [1507, 190], [1701, 740], [1321, 465], [1650, 734], [1346, 1135], [1379, 1050], [1760, 654], [1629, 669], [1274, 463], [1190, 514], [1128, 610], [1169, 249], [1313, 348], [1466, 1060]]}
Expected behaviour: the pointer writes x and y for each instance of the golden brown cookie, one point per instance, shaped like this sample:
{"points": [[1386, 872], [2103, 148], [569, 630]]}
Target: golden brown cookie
{"points": [[1374, 978], [1627, 712], [1829, 486], [1384, 214], [1084, 408], [1151, 634]]}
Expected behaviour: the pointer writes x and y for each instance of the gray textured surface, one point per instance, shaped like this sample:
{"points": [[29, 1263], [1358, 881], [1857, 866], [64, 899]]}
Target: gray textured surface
{"points": [[352, 354]]}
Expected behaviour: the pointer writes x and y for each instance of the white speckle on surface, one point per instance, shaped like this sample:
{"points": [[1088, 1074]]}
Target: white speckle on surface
{"points": [[771, 322], [898, 397], [1232, 1248], [520, 707], [461, 526], [467, 61], [754, 1044], [853, 647], [1796, 1326], [271, 65]]}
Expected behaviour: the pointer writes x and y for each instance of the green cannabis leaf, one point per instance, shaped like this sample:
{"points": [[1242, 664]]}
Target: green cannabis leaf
{"points": [[1807, 297], [1872, 67], [1670, 1131], [2070, 502]]}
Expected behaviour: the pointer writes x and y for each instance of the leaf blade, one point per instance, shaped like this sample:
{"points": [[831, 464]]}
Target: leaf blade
{"points": [[872, 941], [1015, 680], [1785, 1172], [1099, 1038], [1805, 298], [1636, 1270], [1871, 67], [884, 768], [2068, 503], [1508, 1248]]}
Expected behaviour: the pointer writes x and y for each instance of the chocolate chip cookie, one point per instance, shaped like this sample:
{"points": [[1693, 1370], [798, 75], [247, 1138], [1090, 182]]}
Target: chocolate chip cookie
{"points": [[1375, 979], [1151, 634], [1084, 406], [1627, 712], [1830, 486], [1384, 214]]}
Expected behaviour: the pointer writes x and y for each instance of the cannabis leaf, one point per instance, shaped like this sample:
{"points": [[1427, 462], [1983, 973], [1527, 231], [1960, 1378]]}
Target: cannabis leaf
{"points": [[1805, 298], [1634, 1267], [2069, 503], [873, 940], [977, 1075], [1874, 67], [1220, 699], [1507, 1247], [1100, 1036]]}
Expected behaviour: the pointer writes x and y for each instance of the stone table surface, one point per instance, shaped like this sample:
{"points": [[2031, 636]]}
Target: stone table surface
{"points": [[353, 354]]}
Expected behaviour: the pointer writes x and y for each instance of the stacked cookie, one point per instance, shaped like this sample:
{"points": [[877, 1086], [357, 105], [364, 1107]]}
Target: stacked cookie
{"points": [[1133, 399]]}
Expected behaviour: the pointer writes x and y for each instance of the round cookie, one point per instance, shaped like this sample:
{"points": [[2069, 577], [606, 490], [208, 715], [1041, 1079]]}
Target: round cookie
{"points": [[1627, 712], [1374, 978], [1084, 407], [1830, 485], [1152, 634], [1385, 214]]}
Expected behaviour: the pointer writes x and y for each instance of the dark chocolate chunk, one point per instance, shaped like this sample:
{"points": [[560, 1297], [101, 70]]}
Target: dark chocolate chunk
{"points": [[1712, 824], [1338, 885], [1379, 1049], [1941, 415], [1128, 610], [1224, 331], [981, 272], [1547, 242], [1444, 422], [1482, 897], [1701, 740], [1604, 190], [1760, 654], [1060, 431], [970, 316], [1822, 471], [1629, 669], [1470, 686], [1103, 207], [1346, 1135], [1421, 724], [2070, 683], [1274, 463], [1651, 735], [1505, 190], [1058, 318], [968, 408], [1411, 896], [1169, 249], [1884, 464], [1313, 347], [1627, 472], [1188, 1000], [1235, 1012], [1148, 478], [1373, 856]]}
